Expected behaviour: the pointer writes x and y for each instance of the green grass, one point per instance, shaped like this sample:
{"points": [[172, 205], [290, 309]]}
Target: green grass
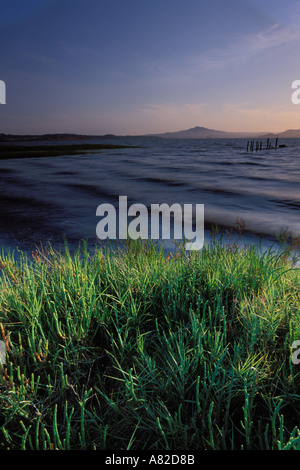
{"points": [[142, 351]]}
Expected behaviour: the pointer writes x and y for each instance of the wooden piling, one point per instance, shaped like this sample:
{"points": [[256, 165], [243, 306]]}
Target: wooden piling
{"points": [[258, 145]]}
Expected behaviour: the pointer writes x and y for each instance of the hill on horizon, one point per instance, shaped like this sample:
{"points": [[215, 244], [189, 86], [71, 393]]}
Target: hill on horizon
{"points": [[205, 133], [192, 133], [288, 134]]}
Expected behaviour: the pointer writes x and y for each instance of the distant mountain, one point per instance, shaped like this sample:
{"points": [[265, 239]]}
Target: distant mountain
{"points": [[288, 134], [204, 133], [193, 133]]}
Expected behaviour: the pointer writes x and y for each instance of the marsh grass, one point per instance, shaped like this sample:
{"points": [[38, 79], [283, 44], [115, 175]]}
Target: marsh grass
{"points": [[8, 151], [138, 350]]}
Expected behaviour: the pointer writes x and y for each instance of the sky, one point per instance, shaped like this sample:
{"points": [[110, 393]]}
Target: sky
{"points": [[132, 67]]}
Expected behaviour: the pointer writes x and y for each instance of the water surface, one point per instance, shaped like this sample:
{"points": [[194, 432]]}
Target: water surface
{"points": [[45, 199]]}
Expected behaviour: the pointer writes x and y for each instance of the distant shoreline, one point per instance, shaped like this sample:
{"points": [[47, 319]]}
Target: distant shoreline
{"points": [[25, 151], [192, 133]]}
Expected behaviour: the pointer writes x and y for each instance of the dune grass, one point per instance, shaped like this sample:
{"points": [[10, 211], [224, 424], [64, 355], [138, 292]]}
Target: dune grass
{"points": [[142, 351]]}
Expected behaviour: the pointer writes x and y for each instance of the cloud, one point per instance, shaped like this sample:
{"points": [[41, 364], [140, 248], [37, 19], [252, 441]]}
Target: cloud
{"points": [[240, 51], [244, 48]]}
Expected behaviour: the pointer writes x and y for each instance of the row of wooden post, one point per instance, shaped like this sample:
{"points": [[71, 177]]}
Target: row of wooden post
{"points": [[259, 146]]}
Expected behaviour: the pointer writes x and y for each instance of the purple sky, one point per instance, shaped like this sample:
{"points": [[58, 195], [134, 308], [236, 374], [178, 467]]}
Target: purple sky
{"points": [[144, 66]]}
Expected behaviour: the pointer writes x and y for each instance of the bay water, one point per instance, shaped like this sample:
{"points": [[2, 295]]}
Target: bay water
{"points": [[51, 198]]}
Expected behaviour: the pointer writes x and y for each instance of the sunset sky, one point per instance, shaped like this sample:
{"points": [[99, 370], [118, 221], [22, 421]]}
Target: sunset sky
{"points": [[148, 66]]}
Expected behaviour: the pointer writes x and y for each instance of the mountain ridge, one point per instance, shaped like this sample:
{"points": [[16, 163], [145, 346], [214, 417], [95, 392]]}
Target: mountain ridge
{"points": [[205, 133], [197, 132]]}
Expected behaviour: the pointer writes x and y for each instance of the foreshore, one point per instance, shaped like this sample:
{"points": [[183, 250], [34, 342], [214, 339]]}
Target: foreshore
{"points": [[8, 151]]}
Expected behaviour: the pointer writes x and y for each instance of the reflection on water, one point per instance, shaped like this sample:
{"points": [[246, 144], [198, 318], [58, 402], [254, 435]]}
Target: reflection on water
{"points": [[46, 198]]}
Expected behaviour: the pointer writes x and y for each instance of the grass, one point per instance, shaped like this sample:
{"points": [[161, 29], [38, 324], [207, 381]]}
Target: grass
{"points": [[142, 351], [33, 151]]}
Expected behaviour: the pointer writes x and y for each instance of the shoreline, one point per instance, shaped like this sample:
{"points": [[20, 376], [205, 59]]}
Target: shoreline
{"points": [[8, 151], [227, 236]]}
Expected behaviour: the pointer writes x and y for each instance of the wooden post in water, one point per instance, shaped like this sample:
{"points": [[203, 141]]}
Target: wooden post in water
{"points": [[259, 145]]}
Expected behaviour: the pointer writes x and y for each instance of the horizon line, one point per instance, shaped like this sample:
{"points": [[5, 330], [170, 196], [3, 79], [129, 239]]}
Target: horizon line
{"points": [[260, 133]]}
